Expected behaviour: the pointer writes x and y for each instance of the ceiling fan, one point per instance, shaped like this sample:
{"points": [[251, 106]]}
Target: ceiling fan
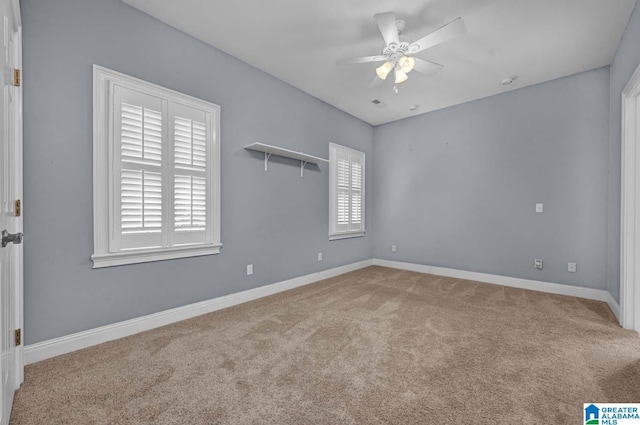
{"points": [[398, 51]]}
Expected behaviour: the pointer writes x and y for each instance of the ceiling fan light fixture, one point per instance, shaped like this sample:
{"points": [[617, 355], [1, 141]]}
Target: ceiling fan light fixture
{"points": [[406, 64], [383, 70], [401, 76]]}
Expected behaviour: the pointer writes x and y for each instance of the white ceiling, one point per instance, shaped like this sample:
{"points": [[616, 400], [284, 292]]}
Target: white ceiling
{"points": [[299, 42]]}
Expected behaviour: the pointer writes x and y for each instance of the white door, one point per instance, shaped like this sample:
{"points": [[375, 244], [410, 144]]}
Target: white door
{"points": [[630, 228], [10, 207]]}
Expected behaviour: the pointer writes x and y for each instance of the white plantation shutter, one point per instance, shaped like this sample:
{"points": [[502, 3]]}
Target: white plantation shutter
{"points": [[190, 166], [156, 172], [343, 183], [356, 193], [139, 131], [347, 192]]}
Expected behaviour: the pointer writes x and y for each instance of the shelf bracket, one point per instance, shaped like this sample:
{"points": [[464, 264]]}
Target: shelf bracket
{"points": [[267, 155], [302, 164]]}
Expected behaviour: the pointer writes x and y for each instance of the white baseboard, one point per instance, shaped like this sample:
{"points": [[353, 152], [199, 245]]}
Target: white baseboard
{"points": [[54, 347], [534, 285], [614, 306]]}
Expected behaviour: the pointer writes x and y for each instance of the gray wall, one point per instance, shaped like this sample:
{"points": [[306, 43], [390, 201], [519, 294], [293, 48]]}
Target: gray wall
{"points": [[453, 188], [275, 220], [457, 187], [624, 64]]}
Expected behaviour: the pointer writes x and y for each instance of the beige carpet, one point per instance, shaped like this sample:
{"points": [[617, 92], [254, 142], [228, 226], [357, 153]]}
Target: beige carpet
{"points": [[376, 346]]}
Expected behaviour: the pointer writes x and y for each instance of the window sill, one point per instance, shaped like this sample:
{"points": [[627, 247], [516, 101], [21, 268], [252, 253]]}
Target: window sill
{"points": [[148, 255], [338, 236]]}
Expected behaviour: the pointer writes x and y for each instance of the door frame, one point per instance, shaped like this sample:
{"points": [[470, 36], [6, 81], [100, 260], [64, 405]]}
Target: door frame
{"points": [[630, 208], [18, 188]]}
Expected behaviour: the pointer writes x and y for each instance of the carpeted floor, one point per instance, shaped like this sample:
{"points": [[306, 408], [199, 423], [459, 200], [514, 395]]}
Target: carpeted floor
{"points": [[376, 346]]}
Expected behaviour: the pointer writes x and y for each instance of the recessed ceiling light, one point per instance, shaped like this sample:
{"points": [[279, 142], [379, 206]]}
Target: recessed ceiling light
{"points": [[414, 107], [509, 80]]}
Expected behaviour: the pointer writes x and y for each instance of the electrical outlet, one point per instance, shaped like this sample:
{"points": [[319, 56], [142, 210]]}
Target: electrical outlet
{"points": [[572, 267], [394, 248], [539, 208], [537, 263], [319, 256], [249, 269]]}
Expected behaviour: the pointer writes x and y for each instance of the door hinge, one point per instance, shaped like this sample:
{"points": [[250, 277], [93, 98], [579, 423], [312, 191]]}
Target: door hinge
{"points": [[17, 77], [17, 208], [18, 337]]}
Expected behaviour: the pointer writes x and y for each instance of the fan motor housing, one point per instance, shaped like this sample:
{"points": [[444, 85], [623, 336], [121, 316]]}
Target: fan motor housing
{"points": [[395, 51]]}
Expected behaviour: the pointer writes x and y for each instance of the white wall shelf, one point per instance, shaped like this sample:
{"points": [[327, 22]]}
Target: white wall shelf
{"points": [[286, 153]]}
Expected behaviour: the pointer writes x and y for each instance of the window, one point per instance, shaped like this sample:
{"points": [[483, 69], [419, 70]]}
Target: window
{"points": [[156, 172], [346, 189]]}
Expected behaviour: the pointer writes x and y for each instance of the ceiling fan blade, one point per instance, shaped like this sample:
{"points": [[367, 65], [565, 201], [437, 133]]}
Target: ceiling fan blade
{"points": [[364, 59], [442, 34], [426, 67], [376, 82], [388, 27]]}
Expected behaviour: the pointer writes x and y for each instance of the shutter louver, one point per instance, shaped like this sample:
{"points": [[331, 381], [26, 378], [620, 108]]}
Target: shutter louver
{"points": [[182, 142], [343, 191], [343, 173], [356, 208], [190, 203], [199, 145], [190, 144], [343, 207], [141, 201], [356, 175], [356, 192], [141, 135]]}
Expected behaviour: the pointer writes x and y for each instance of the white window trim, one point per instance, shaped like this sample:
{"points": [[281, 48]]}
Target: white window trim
{"points": [[333, 210], [103, 190], [336, 236]]}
